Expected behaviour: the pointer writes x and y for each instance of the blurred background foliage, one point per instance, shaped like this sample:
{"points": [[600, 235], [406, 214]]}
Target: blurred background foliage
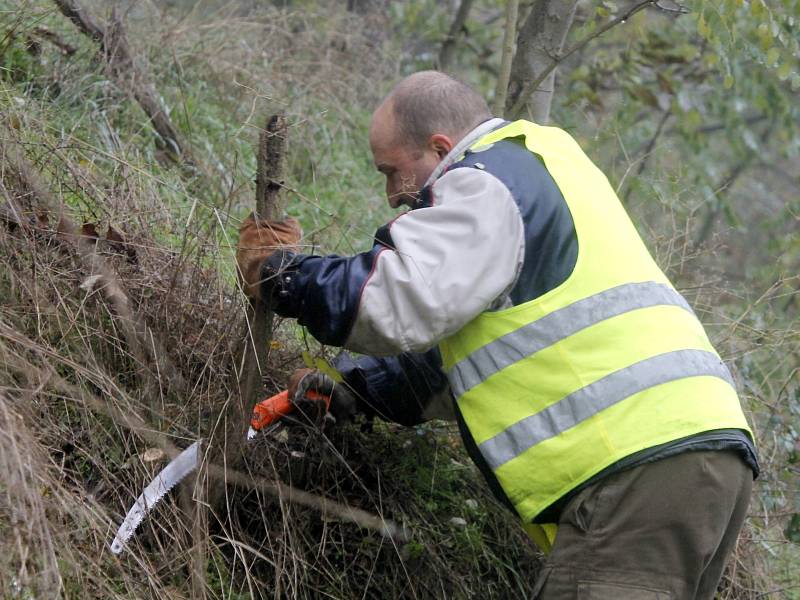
{"points": [[690, 108]]}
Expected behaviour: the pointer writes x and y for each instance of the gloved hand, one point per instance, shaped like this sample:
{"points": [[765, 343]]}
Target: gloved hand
{"points": [[342, 401], [258, 240]]}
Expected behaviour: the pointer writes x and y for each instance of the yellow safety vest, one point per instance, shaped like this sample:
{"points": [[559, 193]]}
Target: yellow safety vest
{"points": [[610, 362]]}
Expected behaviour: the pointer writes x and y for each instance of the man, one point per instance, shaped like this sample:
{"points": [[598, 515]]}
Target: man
{"points": [[585, 388]]}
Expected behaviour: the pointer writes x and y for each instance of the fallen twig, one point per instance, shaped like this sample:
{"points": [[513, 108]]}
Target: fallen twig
{"points": [[55, 39]]}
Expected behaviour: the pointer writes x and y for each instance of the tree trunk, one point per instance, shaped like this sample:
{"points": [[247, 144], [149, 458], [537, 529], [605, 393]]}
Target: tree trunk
{"points": [[539, 43], [447, 51], [269, 181], [512, 9]]}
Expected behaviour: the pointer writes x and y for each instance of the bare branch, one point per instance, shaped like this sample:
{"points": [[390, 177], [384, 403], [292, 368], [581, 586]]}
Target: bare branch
{"points": [[52, 37], [512, 9], [648, 151], [116, 50], [725, 186], [258, 318]]}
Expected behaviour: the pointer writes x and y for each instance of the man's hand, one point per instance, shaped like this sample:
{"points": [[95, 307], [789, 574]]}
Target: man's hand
{"points": [[342, 404], [258, 240]]}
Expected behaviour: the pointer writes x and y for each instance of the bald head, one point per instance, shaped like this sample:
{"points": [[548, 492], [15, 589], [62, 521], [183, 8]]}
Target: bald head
{"points": [[416, 126], [431, 102]]}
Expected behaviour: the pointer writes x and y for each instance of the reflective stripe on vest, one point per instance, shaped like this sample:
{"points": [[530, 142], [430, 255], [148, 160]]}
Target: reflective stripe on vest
{"points": [[590, 400], [558, 325]]}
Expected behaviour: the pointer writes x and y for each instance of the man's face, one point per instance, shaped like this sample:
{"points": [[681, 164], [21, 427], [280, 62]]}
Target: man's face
{"points": [[406, 168]]}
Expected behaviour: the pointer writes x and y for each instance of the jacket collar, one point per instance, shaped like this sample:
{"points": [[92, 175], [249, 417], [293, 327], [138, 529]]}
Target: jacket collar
{"points": [[458, 150]]}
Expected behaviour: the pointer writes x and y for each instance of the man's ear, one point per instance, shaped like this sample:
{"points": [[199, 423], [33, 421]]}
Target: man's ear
{"points": [[441, 144]]}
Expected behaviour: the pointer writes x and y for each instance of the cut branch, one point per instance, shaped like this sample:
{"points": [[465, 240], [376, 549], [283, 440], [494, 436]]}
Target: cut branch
{"points": [[269, 182], [114, 46], [258, 318], [269, 171]]}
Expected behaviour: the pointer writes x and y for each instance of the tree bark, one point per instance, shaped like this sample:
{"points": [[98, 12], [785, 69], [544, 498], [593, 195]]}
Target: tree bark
{"points": [[269, 182], [447, 52], [512, 9], [540, 41]]}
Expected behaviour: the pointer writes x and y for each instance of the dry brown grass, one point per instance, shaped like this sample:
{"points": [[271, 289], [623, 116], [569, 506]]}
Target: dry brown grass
{"points": [[103, 356], [108, 351]]}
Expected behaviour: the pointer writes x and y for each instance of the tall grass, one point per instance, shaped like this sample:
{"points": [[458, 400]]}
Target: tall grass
{"points": [[84, 394]]}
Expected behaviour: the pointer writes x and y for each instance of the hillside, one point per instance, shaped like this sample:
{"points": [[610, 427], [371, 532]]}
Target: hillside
{"points": [[128, 163]]}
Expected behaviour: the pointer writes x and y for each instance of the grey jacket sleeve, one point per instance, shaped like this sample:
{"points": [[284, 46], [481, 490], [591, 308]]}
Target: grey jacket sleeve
{"points": [[446, 264]]}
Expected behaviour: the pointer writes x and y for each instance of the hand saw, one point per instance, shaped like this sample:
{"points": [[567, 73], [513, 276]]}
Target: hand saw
{"points": [[265, 413]]}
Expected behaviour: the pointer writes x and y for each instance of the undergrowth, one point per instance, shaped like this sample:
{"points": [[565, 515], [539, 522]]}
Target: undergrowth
{"points": [[89, 388]]}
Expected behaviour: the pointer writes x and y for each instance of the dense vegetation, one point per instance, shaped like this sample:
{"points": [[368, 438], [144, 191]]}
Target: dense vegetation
{"points": [[121, 323]]}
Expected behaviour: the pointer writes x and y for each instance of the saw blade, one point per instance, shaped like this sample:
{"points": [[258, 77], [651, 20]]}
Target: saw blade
{"points": [[167, 478]]}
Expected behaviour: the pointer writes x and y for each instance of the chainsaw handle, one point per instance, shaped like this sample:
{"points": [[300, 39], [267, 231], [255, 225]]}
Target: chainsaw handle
{"points": [[278, 406], [270, 410]]}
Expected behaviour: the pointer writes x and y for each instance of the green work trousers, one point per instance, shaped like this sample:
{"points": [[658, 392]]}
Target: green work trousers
{"points": [[659, 531]]}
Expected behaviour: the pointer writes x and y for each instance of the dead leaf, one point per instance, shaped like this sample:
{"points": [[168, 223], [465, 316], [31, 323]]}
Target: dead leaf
{"points": [[89, 283], [112, 235], [152, 455], [89, 230], [118, 244]]}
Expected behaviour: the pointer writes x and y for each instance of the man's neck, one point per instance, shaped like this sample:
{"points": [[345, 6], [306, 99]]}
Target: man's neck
{"points": [[458, 150]]}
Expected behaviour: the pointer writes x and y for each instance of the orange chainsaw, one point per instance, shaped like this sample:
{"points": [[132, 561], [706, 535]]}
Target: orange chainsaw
{"points": [[267, 412]]}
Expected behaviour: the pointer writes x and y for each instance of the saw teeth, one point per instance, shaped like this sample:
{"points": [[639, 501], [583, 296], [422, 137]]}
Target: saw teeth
{"points": [[167, 478]]}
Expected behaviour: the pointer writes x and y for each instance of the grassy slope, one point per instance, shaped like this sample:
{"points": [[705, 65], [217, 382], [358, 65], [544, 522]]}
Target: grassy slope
{"points": [[68, 469]]}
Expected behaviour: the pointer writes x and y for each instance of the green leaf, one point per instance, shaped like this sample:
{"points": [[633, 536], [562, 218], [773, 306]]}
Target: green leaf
{"points": [[784, 71], [702, 28], [773, 55], [711, 59], [792, 531], [308, 361], [728, 82], [324, 367]]}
